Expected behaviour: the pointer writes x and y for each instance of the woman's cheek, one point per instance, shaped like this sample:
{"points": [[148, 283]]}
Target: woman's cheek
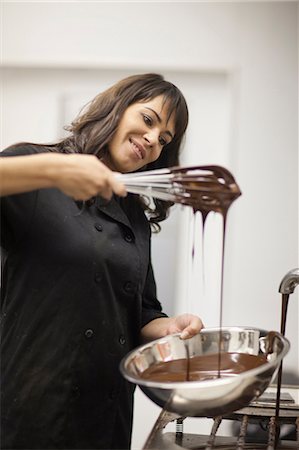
{"points": [[155, 155]]}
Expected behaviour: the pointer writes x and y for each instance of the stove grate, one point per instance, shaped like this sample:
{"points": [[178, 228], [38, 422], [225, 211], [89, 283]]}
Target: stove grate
{"points": [[159, 440], [211, 440], [243, 430]]}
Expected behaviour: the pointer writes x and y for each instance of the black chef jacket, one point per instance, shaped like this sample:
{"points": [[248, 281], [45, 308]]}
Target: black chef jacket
{"points": [[77, 286]]}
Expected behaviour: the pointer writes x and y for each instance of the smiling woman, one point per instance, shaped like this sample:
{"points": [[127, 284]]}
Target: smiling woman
{"points": [[78, 289]]}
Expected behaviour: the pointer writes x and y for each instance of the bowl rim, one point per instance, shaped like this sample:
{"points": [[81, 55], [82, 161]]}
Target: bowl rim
{"points": [[205, 384]]}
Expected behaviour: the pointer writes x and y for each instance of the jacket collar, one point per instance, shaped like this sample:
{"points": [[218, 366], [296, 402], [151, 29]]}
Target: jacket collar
{"points": [[113, 209]]}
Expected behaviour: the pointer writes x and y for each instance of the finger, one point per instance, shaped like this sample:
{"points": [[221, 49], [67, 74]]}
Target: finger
{"points": [[106, 191], [117, 186], [106, 194], [187, 333], [192, 329]]}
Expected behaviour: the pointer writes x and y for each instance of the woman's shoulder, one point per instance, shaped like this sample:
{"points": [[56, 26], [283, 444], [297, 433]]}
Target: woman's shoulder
{"points": [[24, 148]]}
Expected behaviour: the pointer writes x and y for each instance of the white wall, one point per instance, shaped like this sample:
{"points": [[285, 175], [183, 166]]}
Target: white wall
{"points": [[248, 51]]}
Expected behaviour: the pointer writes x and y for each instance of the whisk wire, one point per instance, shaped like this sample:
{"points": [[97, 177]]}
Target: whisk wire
{"points": [[188, 185]]}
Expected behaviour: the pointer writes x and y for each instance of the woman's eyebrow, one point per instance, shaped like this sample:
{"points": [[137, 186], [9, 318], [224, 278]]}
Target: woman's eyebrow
{"points": [[159, 120]]}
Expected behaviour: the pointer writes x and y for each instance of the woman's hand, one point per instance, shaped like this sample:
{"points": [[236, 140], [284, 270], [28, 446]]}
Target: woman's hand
{"points": [[186, 324], [79, 176], [85, 176]]}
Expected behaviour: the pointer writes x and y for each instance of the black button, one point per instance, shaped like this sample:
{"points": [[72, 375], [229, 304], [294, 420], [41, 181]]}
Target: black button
{"points": [[98, 277], [98, 226], [88, 333], [122, 339], [129, 287], [113, 394], [75, 391], [129, 237]]}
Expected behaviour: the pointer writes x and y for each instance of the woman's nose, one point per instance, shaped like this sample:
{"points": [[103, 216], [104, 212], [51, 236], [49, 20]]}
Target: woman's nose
{"points": [[152, 137]]}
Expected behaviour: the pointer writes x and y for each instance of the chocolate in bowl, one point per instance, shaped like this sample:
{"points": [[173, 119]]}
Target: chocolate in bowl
{"points": [[203, 367]]}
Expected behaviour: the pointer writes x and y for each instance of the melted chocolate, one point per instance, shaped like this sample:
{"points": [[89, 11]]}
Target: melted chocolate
{"points": [[188, 362], [284, 309], [214, 191], [205, 367]]}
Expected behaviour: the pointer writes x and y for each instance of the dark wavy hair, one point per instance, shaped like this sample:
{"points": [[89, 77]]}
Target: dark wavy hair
{"points": [[95, 126]]}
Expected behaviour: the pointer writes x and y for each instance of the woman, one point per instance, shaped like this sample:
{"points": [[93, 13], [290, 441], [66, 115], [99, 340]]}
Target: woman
{"points": [[78, 287]]}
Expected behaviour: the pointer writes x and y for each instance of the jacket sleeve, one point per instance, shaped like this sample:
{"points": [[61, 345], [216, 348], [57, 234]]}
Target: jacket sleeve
{"points": [[16, 211], [151, 307]]}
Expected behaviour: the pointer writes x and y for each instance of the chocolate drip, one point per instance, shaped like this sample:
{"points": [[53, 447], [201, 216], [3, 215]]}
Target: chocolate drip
{"points": [[284, 309], [215, 192], [285, 302], [221, 293], [188, 362]]}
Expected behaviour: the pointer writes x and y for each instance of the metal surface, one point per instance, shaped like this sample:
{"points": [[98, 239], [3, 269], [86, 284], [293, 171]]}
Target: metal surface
{"points": [[211, 397], [289, 282], [257, 428], [170, 441], [159, 439]]}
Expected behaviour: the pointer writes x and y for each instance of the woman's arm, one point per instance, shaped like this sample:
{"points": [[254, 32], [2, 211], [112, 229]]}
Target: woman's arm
{"points": [[79, 176], [155, 323]]}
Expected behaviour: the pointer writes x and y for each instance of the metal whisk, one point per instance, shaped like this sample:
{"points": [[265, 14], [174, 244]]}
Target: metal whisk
{"points": [[205, 188]]}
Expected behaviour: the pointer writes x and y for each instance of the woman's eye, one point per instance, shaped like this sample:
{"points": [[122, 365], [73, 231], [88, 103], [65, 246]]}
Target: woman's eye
{"points": [[147, 120], [162, 141]]}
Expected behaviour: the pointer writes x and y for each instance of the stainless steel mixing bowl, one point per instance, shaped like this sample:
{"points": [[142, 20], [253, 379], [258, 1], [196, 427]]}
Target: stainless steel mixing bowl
{"points": [[214, 397]]}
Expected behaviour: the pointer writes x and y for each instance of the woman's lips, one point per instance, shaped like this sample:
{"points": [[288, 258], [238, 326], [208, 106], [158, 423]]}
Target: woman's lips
{"points": [[137, 149]]}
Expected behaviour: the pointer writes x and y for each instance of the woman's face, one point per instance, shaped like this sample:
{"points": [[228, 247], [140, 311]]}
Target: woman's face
{"points": [[141, 135]]}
